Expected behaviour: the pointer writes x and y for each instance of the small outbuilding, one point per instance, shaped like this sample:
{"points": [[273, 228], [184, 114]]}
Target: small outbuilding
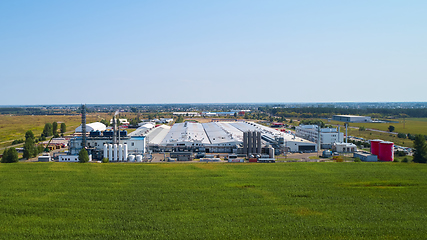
{"points": [[365, 156], [344, 147]]}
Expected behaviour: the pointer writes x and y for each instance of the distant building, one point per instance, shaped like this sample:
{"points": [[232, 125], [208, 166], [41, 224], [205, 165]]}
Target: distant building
{"points": [[351, 118], [123, 121], [189, 114], [328, 136], [276, 124], [165, 120]]}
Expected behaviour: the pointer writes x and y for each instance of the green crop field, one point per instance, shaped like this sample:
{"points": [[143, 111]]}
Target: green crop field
{"points": [[412, 125], [213, 201]]}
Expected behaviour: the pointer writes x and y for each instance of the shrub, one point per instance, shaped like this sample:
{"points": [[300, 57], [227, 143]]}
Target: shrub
{"points": [[83, 156], [401, 135], [406, 160], [10, 155], [400, 153], [357, 160], [105, 160], [396, 160]]}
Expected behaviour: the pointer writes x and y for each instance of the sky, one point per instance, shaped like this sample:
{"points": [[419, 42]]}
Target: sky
{"points": [[141, 52]]}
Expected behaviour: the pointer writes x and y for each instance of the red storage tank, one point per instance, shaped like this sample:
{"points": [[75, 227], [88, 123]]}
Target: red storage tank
{"points": [[375, 146], [386, 151]]}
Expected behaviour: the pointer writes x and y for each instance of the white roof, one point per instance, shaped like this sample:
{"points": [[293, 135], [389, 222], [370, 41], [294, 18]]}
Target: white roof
{"points": [[218, 135], [143, 130], [156, 135], [96, 126], [186, 132]]}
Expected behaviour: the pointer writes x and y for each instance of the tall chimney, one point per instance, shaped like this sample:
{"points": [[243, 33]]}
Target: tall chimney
{"points": [[83, 125]]}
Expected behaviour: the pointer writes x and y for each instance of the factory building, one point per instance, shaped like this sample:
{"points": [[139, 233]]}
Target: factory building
{"points": [[96, 141], [224, 137], [351, 118], [328, 136], [277, 139], [185, 136]]}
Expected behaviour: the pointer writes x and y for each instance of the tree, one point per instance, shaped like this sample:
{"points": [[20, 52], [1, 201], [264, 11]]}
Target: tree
{"points": [[29, 134], [180, 119], [10, 155], [391, 128], [420, 149], [105, 122], [362, 128], [29, 150], [47, 131], [54, 128], [83, 156], [63, 128]]}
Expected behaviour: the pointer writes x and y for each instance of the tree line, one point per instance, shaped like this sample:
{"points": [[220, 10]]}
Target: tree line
{"points": [[328, 112]]}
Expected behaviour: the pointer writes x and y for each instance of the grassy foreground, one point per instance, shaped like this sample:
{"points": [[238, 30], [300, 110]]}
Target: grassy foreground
{"points": [[213, 201]]}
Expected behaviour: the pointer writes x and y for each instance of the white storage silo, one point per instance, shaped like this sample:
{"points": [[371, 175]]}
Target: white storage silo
{"points": [[125, 152], [105, 151], [120, 152], [110, 148], [116, 157]]}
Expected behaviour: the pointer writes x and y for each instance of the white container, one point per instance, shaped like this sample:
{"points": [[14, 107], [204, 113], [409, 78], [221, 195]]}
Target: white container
{"points": [[131, 158], [139, 158]]}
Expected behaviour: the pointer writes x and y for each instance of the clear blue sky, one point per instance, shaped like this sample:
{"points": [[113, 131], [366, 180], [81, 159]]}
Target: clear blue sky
{"points": [[212, 51]]}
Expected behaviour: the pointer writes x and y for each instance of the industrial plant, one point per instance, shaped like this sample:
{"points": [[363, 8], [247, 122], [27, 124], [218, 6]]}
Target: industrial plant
{"points": [[234, 137], [244, 138]]}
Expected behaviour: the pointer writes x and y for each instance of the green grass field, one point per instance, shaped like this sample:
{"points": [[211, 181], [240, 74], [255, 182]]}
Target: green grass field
{"points": [[412, 125], [213, 201]]}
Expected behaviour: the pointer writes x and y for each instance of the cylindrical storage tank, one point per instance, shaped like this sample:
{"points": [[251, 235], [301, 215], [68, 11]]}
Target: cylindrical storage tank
{"points": [[386, 151], [375, 146], [105, 151], [120, 152], [139, 158], [110, 156], [125, 152], [115, 153], [131, 158]]}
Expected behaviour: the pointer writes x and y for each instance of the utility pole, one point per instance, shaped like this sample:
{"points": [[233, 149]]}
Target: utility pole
{"points": [[318, 138], [346, 132]]}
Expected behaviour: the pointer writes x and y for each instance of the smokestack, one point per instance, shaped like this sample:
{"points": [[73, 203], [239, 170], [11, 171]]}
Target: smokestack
{"points": [[83, 125]]}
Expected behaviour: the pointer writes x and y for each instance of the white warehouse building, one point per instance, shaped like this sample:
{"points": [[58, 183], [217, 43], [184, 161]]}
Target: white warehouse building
{"points": [[95, 126], [351, 118], [328, 136]]}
